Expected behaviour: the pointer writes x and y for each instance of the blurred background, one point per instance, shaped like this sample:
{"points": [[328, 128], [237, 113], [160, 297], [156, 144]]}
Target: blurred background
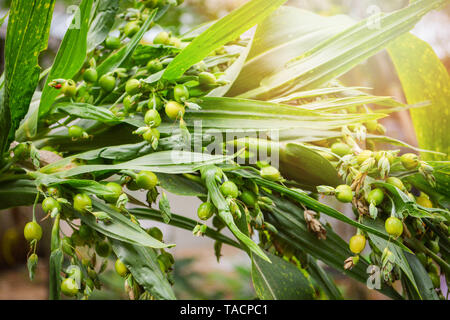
{"points": [[197, 273]]}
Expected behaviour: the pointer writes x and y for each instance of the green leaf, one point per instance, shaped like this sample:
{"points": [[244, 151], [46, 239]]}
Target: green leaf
{"points": [[70, 56], [104, 15], [120, 227], [26, 36], [424, 284], [424, 78], [280, 280], [180, 185], [55, 266], [283, 36], [339, 54], [143, 265], [164, 206], [17, 193], [5, 117], [323, 280], [115, 60], [221, 32], [85, 111]]}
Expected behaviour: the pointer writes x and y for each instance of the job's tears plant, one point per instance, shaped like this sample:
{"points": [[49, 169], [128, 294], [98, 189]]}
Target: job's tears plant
{"points": [[119, 115]]}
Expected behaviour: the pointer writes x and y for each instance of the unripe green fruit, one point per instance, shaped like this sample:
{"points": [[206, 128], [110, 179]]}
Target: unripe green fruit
{"points": [[67, 246], [376, 196], [357, 243], [218, 223], [107, 82], [249, 198], [146, 180], [132, 87], [156, 233], [434, 246], [410, 161], [129, 104], [81, 202], [32, 231], [75, 132], [121, 268], [206, 79], [131, 28], [424, 202], [174, 110], [422, 257], [155, 102], [229, 189], [341, 149], [69, 89], [85, 232], [49, 204], [103, 249], [344, 193], [363, 156], [69, 287], [270, 173], [393, 226], [152, 118], [205, 211], [151, 135], [396, 182], [90, 75], [116, 190], [162, 38], [180, 93], [154, 66], [53, 192], [112, 43], [371, 125], [435, 279]]}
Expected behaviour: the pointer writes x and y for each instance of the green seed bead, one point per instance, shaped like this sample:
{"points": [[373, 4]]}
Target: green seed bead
{"points": [[107, 82], [90, 75], [371, 125], [229, 189], [162, 38], [396, 182], [112, 43], [410, 161], [344, 193], [154, 66], [152, 118], [156, 233], [363, 156], [49, 204], [69, 89], [32, 231], [75, 132], [131, 28], [69, 287], [393, 226], [206, 78], [341, 149], [270, 173], [116, 190], [103, 249], [249, 198], [174, 110], [67, 246], [205, 211], [81, 202], [121, 268], [151, 135], [132, 87], [357, 243], [180, 93], [146, 180], [129, 104], [85, 232], [376, 196]]}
